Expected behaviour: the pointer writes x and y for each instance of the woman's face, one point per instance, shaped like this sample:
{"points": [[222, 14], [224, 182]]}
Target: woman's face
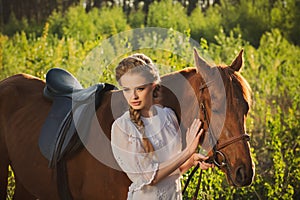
{"points": [[137, 91]]}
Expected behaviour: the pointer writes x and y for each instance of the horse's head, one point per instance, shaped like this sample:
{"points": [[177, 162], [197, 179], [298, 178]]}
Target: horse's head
{"points": [[224, 101]]}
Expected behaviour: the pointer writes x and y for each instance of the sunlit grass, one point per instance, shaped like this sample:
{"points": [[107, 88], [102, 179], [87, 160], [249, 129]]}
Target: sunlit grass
{"points": [[11, 184]]}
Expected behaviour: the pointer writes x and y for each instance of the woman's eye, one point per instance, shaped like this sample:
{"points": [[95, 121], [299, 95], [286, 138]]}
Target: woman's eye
{"points": [[140, 89], [126, 89]]}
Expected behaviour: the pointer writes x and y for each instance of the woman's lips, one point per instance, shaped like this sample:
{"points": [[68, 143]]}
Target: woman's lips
{"points": [[135, 103]]}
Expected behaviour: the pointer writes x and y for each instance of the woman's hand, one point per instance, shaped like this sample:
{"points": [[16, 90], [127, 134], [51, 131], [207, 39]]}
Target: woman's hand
{"points": [[192, 141], [199, 158], [193, 136]]}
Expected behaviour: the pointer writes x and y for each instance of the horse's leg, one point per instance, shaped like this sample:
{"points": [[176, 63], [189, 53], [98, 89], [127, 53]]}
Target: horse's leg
{"points": [[4, 159], [21, 192], [4, 162]]}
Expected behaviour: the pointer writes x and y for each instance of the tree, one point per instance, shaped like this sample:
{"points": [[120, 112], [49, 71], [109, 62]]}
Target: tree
{"points": [[32, 10]]}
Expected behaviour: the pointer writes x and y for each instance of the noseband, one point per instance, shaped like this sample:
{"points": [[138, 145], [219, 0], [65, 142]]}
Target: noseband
{"points": [[216, 148]]}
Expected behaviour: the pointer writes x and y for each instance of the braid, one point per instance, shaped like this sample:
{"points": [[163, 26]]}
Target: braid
{"points": [[135, 117]]}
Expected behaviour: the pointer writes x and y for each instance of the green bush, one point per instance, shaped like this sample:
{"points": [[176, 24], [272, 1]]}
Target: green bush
{"points": [[111, 21], [167, 14], [285, 15], [205, 24], [98, 23], [252, 18], [16, 26], [136, 18]]}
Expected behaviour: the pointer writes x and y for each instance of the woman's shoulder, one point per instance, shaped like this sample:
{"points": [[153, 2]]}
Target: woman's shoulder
{"points": [[166, 110], [167, 113], [123, 118], [123, 121]]}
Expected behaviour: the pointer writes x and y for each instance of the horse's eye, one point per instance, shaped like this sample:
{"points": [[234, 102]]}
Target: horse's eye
{"points": [[243, 105], [213, 97], [215, 111]]}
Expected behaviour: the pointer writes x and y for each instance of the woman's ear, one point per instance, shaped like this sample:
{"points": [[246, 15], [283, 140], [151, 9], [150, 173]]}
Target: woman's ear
{"points": [[153, 85], [155, 90]]}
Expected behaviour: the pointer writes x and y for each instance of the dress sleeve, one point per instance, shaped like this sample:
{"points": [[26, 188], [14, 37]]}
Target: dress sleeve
{"points": [[127, 148]]}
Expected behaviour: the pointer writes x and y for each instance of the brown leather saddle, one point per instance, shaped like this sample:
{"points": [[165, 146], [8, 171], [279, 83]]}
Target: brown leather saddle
{"points": [[71, 113]]}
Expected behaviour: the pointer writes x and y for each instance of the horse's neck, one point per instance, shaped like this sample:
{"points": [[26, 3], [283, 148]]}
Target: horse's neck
{"points": [[178, 93]]}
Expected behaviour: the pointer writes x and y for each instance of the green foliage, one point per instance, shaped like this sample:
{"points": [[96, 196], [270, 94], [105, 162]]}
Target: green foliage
{"points": [[278, 187], [11, 184], [78, 24], [111, 21], [167, 14], [56, 21], [285, 15], [136, 18], [14, 26], [251, 16], [227, 47], [37, 55], [205, 24], [275, 67]]}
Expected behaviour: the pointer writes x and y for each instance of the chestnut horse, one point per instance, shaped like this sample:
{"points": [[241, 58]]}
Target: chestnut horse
{"points": [[219, 96]]}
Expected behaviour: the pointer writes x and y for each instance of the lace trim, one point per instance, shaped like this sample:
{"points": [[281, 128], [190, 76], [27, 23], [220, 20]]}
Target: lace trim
{"points": [[135, 186]]}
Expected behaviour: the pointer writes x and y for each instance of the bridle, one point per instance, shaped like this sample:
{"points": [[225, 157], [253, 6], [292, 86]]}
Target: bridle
{"points": [[217, 146]]}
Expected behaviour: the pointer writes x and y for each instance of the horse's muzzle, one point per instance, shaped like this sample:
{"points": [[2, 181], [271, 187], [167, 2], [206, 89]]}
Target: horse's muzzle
{"points": [[240, 176], [243, 176]]}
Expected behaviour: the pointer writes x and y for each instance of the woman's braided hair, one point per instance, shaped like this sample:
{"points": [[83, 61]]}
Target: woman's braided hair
{"points": [[139, 63]]}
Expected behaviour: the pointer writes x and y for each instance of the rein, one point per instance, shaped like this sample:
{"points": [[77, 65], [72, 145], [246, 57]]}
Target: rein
{"points": [[216, 150]]}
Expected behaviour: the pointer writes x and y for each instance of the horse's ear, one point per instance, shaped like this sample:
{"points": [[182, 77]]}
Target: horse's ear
{"points": [[237, 63], [202, 66]]}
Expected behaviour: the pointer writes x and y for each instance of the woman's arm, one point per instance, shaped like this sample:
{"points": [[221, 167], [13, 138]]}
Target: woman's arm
{"points": [[193, 136]]}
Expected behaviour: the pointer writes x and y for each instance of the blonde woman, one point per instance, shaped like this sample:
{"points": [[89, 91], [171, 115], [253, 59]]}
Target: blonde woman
{"points": [[146, 140]]}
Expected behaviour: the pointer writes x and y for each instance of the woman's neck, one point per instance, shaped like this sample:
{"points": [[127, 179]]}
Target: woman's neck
{"points": [[149, 112]]}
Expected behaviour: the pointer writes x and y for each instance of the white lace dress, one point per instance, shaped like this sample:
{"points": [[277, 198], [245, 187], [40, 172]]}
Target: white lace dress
{"points": [[163, 132]]}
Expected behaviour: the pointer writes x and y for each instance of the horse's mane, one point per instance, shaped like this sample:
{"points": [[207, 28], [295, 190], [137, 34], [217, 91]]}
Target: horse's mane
{"points": [[228, 73], [189, 71]]}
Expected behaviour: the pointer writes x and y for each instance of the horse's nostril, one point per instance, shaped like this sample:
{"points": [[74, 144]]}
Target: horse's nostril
{"points": [[243, 177], [240, 175]]}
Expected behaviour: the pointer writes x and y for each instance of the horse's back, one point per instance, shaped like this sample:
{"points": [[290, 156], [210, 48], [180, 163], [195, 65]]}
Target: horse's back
{"points": [[21, 98], [16, 90]]}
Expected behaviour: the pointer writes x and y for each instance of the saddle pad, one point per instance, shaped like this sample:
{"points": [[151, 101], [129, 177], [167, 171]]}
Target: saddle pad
{"points": [[49, 134]]}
